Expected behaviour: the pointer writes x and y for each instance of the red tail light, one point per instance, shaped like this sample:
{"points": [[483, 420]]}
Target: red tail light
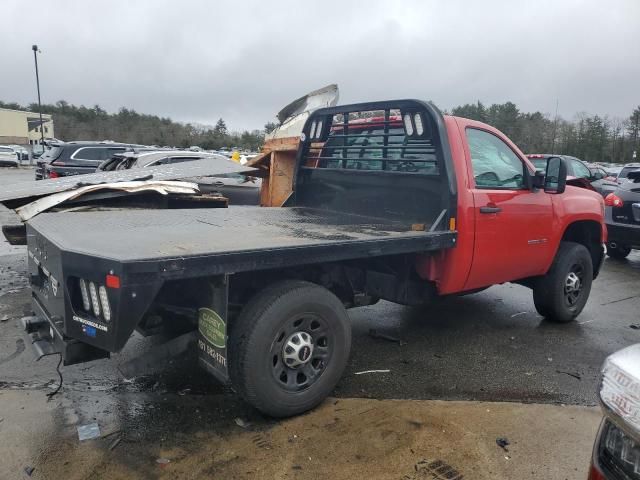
{"points": [[53, 175], [113, 281], [612, 200], [595, 474]]}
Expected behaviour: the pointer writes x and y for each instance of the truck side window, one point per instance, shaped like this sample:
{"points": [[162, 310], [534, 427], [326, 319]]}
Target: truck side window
{"points": [[495, 165]]}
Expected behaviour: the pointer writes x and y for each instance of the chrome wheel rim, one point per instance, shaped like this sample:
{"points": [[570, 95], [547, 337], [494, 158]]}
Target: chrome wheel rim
{"points": [[301, 351], [573, 285]]}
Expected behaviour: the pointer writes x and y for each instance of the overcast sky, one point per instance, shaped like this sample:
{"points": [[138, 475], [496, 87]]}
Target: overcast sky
{"points": [[244, 60]]}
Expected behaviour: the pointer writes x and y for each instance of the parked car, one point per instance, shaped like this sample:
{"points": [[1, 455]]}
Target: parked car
{"points": [[237, 188], [616, 452], [401, 214], [622, 216], [8, 157], [76, 158], [623, 175], [21, 152], [613, 172], [597, 176]]}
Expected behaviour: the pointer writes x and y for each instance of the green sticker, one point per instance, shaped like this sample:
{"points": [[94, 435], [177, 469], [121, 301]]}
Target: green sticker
{"points": [[212, 327]]}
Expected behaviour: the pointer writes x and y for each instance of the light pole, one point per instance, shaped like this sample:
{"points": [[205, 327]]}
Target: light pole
{"points": [[35, 58]]}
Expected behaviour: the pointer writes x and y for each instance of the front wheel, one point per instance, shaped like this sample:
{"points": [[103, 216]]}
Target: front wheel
{"points": [[289, 347], [618, 252], [563, 292]]}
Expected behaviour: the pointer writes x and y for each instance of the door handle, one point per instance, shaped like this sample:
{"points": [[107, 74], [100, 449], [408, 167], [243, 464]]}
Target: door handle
{"points": [[488, 209], [219, 184]]}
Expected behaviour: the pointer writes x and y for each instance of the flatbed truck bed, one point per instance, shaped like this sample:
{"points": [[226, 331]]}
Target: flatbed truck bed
{"points": [[234, 239]]}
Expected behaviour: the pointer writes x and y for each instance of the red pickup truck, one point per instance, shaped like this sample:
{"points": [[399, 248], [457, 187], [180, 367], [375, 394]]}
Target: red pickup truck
{"points": [[389, 200]]}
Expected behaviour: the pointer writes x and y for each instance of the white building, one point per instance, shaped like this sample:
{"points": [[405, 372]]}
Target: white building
{"points": [[23, 128]]}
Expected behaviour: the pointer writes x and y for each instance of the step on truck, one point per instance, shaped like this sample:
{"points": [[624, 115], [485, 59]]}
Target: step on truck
{"points": [[390, 200]]}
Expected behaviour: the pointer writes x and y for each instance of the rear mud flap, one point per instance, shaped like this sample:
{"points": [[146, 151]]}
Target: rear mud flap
{"points": [[212, 332]]}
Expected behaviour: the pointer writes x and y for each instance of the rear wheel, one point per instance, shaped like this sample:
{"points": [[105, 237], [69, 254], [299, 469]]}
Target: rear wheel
{"points": [[618, 251], [289, 347], [563, 292]]}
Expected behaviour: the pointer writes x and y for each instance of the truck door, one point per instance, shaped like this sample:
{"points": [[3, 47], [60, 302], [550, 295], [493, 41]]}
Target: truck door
{"points": [[512, 222]]}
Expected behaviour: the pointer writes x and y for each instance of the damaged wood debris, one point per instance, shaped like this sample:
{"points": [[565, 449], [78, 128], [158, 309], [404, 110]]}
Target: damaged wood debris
{"points": [[164, 186]]}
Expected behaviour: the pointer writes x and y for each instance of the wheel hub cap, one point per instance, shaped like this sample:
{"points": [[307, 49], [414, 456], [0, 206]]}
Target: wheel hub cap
{"points": [[572, 284], [297, 349]]}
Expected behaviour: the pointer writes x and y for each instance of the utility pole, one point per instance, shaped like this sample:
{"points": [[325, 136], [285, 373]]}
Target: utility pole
{"points": [[35, 58]]}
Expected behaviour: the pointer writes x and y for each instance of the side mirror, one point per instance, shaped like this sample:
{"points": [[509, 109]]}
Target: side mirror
{"points": [[537, 181], [597, 175], [555, 180]]}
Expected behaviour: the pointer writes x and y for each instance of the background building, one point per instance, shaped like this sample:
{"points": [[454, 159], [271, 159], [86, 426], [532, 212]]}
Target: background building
{"points": [[23, 128]]}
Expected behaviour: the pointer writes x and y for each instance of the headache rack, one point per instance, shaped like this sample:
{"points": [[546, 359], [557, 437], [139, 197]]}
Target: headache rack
{"points": [[382, 158]]}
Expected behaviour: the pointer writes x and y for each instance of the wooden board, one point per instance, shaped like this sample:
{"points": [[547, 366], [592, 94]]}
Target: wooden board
{"points": [[277, 165]]}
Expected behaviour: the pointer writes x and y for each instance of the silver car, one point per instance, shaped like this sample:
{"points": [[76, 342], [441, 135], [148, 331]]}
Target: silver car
{"points": [[238, 188]]}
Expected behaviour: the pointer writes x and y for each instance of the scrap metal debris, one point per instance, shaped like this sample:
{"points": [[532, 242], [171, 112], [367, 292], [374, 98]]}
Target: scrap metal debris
{"points": [[293, 117], [88, 432], [32, 209], [29, 470], [635, 326], [242, 423], [574, 375], [372, 371], [373, 333], [13, 192], [503, 442], [115, 443]]}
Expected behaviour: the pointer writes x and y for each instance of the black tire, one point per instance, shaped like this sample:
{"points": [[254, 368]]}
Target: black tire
{"points": [[619, 252], [557, 296], [266, 327]]}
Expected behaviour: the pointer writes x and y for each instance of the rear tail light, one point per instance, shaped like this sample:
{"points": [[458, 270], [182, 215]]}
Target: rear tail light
{"points": [[104, 302], [85, 295], [94, 299], [612, 200], [53, 174], [595, 474]]}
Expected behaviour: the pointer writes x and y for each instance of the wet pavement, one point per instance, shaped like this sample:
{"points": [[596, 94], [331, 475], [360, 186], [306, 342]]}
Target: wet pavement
{"points": [[189, 437], [487, 347]]}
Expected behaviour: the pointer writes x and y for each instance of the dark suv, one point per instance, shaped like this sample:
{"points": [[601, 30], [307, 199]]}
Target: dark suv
{"points": [[76, 158]]}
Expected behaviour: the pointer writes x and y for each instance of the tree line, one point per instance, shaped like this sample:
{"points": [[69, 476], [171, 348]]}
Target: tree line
{"points": [[128, 126], [592, 138]]}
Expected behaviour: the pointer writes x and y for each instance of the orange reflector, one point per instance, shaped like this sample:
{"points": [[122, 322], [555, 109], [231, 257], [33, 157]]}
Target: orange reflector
{"points": [[452, 223], [113, 281]]}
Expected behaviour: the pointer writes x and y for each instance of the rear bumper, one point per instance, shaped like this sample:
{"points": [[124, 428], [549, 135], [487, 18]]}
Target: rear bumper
{"points": [[47, 338], [67, 171], [627, 235], [9, 163]]}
